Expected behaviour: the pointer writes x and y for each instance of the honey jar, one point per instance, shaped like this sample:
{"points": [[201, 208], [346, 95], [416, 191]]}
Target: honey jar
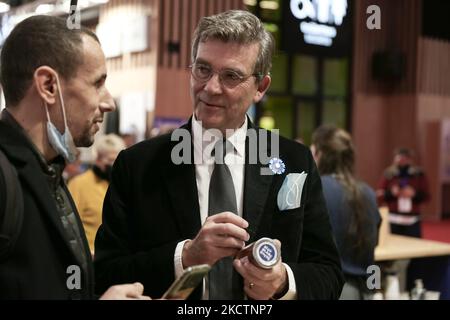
{"points": [[263, 253]]}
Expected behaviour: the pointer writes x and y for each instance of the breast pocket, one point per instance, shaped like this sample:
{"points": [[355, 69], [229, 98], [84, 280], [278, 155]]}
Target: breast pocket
{"points": [[287, 225]]}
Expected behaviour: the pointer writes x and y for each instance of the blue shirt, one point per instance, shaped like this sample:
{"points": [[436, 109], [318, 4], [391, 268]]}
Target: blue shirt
{"points": [[341, 217]]}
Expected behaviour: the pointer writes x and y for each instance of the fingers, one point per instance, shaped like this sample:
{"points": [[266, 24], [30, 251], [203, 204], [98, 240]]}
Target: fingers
{"points": [[134, 290], [254, 287], [253, 273], [227, 224], [261, 283], [241, 266], [222, 235], [255, 291], [277, 243], [225, 230], [125, 292], [229, 217], [227, 242], [209, 248], [229, 230]]}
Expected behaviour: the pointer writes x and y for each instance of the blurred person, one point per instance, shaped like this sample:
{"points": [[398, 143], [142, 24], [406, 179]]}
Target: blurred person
{"points": [[161, 130], [404, 188], [352, 207], [72, 169], [54, 85], [160, 218], [88, 189], [129, 139]]}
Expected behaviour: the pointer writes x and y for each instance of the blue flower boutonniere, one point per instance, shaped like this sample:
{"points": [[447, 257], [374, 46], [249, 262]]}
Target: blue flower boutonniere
{"points": [[277, 166]]}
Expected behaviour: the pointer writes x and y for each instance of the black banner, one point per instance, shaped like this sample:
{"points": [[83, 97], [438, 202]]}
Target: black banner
{"points": [[318, 27]]}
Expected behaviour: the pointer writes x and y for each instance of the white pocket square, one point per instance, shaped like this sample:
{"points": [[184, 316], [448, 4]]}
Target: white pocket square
{"points": [[290, 193]]}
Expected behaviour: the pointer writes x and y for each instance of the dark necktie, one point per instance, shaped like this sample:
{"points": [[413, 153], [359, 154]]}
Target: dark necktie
{"points": [[224, 282]]}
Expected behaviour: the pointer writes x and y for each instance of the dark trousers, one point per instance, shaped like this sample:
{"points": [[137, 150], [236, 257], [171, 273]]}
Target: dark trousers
{"points": [[413, 270], [414, 230]]}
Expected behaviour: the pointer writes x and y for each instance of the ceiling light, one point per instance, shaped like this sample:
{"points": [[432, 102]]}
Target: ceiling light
{"points": [[269, 5], [251, 3], [44, 8], [4, 7]]}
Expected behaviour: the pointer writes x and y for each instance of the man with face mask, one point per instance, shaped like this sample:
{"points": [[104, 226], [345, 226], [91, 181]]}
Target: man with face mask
{"points": [[88, 189], [53, 79], [403, 187]]}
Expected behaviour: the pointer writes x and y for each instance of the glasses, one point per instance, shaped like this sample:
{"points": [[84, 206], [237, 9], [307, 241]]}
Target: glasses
{"points": [[228, 78]]}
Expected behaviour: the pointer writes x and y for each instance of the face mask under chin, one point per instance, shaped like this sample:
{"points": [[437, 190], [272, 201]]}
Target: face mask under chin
{"points": [[63, 144]]}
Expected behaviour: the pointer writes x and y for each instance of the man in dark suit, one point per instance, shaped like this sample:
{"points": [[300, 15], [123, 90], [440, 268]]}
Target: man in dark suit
{"points": [[174, 204], [53, 79]]}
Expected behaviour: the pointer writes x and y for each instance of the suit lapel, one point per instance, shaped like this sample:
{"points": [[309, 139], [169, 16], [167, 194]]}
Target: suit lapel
{"points": [[181, 185], [256, 189], [182, 188]]}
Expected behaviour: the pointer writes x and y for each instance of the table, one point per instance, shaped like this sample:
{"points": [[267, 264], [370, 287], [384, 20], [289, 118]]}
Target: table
{"points": [[397, 247], [431, 260]]}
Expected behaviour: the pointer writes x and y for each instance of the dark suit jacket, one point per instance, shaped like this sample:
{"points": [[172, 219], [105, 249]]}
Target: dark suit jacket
{"points": [[37, 267], [152, 204]]}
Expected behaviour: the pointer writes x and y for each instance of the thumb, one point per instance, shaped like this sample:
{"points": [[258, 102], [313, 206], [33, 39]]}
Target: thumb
{"points": [[138, 289], [277, 243]]}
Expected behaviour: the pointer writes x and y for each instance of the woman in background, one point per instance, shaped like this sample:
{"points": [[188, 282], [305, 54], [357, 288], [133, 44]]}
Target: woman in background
{"points": [[352, 207]]}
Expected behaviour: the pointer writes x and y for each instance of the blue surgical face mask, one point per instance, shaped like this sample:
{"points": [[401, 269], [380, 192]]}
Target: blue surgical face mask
{"points": [[62, 143]]}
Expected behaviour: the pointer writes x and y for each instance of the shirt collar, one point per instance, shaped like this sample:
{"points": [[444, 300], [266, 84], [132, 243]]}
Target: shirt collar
{"points": [[203, 138]]}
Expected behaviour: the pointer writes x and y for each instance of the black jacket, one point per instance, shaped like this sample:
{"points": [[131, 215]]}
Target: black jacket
{"points": [[152, 204], [38, 267]]}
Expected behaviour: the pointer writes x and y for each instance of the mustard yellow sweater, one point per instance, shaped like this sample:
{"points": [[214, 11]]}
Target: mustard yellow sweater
{"points": [[88, 192]]}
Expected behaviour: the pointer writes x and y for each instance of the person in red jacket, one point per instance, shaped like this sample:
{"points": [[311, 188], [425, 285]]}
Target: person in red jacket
{"points": [[403, 188]]}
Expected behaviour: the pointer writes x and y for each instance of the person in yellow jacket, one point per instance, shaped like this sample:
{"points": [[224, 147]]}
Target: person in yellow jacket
{"points": [[88, 189]]}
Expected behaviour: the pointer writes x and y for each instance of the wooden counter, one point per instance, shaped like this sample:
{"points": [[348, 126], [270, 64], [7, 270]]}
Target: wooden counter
{"points": [[395, 247]]}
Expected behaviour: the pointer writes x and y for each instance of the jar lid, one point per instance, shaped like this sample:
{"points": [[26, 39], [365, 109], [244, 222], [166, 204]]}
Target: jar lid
{"points": [[266, 253]]}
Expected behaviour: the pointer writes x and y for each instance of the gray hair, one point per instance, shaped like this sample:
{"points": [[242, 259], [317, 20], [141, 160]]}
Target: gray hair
{"points": [[108, 143], [241, 27]]}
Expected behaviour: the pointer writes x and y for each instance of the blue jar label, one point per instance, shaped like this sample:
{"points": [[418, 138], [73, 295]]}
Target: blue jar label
{"points": [[266, 253]]}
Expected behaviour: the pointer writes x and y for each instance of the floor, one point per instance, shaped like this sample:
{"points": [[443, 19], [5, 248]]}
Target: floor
{"points": [[438, 231]]}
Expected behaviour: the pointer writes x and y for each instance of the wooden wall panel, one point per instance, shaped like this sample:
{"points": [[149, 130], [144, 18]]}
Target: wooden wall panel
{"points": [[433, 67], [381, 124], [186, 27], [400, 29], [384, 114], [179, 20], [387, 115]]}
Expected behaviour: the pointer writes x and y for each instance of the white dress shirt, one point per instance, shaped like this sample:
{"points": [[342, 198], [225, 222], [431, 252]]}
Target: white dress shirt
{"points": [[204, 141]]}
